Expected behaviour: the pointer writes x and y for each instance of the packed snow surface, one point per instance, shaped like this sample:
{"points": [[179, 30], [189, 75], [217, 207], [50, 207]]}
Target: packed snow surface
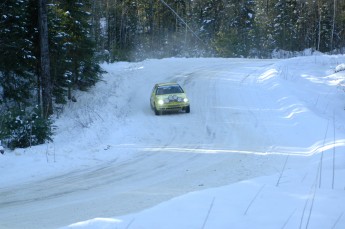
{"points": [[263, 147]]}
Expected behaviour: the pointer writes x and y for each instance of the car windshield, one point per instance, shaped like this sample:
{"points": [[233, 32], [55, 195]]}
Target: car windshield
{"points": [[171, 89]]}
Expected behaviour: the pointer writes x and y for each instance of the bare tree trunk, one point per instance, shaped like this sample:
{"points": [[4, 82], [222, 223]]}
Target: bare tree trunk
{"points": [[319, 35], [333, 25], [47, 107]]}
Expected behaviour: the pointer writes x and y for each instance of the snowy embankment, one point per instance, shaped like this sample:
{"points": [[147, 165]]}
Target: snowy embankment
{"points": [[262, 148]]}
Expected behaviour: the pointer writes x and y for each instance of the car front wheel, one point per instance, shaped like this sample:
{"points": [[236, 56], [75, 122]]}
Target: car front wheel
{"points": [[187, 109], [157, 112]]}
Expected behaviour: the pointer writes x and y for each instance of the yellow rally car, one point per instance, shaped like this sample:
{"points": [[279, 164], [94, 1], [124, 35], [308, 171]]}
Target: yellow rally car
{"points": [[169, 97]]}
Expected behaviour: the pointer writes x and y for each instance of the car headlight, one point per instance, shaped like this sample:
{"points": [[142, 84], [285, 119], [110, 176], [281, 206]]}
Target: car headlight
{"points": [[179, 99], [160, 102], [185, 100]]}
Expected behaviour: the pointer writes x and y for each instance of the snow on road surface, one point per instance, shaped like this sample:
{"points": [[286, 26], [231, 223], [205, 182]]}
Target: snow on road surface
{"points": [[268, 133]]}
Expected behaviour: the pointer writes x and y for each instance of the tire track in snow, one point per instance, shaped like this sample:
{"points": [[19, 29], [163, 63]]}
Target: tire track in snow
{"points": [[156, 173]]}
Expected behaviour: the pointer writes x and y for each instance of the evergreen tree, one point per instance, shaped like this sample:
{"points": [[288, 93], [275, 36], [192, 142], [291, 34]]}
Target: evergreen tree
{"points": [[339, 25], [211, 16], [264, 40], [148, 28], [44, 73], [285, 21], [236, 37], [22, 124], [24, 85], [72, 50], [17, 57], [325, 11]]}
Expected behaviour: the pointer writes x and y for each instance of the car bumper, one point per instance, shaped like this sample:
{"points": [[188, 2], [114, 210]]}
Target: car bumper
{"points": [[172, 107]]}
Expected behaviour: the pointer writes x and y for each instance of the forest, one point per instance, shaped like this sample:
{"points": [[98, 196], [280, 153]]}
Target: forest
{"points": [[50, 49], [139, 29]]}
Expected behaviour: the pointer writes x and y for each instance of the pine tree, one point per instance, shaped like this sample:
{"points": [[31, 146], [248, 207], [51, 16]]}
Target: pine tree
{"points": [[72, 50], [44, 73], [264, 40], [22, 123], [325, 25], [24, 85], [236, 35], [285, 21], [17, 57]]}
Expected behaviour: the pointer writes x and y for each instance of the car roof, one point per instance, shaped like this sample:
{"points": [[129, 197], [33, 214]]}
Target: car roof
{"points": [[167, 84]]}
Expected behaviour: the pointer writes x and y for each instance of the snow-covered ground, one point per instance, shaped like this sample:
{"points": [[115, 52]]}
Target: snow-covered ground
{"points": [[263, 147]]}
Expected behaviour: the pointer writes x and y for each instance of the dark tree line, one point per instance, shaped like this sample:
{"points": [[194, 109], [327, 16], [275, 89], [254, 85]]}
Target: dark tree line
{"points": [[138, 29], [50, 48], [46, 54]]}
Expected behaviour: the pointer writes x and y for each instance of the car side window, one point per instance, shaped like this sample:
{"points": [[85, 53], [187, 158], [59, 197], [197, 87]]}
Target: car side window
{"points": [[179, 89], [154, 90], [159, 91]]}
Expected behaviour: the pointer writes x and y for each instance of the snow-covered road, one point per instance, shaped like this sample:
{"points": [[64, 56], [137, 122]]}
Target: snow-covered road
{"points": [[238, 129]]}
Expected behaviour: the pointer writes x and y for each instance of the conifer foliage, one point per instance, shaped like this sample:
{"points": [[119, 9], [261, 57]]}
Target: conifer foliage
{"points": [[38, 71], [139, 29]]}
